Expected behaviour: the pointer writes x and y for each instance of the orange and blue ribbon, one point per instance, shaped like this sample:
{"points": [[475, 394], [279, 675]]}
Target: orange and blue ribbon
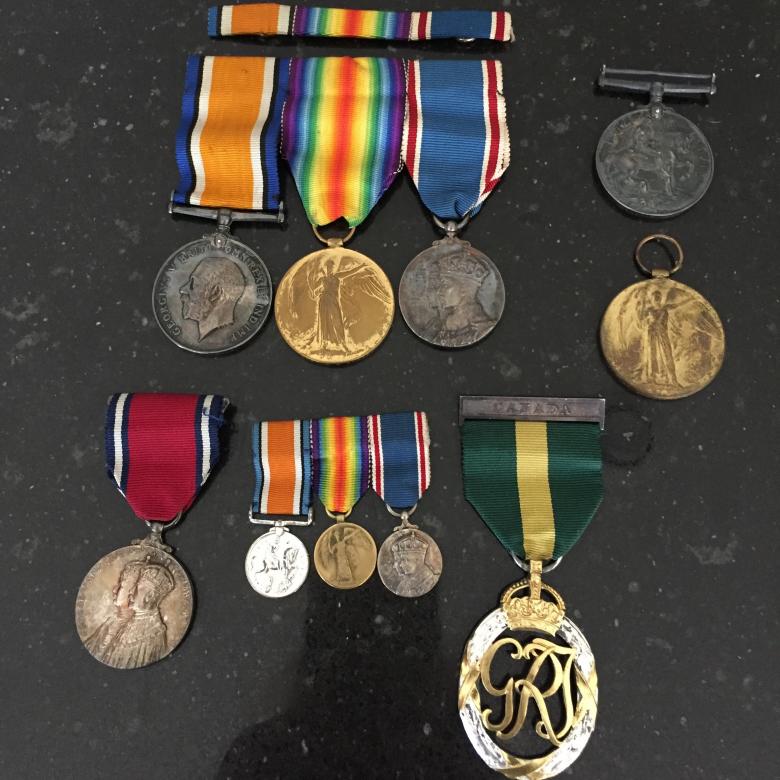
{"points": [[227, 145], [299, 20], [342, 128], [341, 461]]}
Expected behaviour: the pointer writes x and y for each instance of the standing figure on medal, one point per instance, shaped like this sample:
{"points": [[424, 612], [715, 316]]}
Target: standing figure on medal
{"points": [[212, 295], [135, 604], [277, 562], [452, 295], [409, 561], [335, 305], [345, 553]]}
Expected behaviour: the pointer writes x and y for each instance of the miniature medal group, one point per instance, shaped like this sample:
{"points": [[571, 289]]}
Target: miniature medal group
{"points": [[532, 466]]}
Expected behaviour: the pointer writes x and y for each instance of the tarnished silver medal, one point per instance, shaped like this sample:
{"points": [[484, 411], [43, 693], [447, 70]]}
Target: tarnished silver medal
{"points": [[653, 161], [214, 294], [451, 295]]}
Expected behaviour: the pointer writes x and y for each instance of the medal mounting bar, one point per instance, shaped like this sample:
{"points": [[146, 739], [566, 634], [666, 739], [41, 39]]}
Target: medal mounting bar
{"points": [[531, 409], [278, 522], [225, 217], [656, 83]]}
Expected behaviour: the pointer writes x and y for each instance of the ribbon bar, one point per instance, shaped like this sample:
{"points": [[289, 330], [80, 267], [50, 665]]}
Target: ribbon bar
{"points": [[318, 22], [532, 408]]}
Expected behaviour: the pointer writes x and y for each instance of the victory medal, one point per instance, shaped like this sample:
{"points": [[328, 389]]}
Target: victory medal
{"points": [[528, 690], [214, 294], [135, 604]]}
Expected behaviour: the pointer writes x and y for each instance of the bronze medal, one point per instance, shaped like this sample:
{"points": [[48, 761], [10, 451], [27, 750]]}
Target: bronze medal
{"points": [[345, 555], [661, 338]]}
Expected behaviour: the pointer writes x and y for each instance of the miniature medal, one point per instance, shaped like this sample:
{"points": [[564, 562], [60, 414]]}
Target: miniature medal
{"points": [[409, 561], [336, 305], [654, 161], [277, 562], [214, 294], [135, 604], [456, 148], [660, 337], [528, 692], [345, 554]]}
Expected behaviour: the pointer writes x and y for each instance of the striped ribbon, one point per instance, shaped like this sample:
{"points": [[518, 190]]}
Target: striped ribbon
{"points": [[342, 128], [276, 19], [341, 461], [161, 448], [227, 145], [456, 137], [282, 461], [400, 457], [536, 485]]}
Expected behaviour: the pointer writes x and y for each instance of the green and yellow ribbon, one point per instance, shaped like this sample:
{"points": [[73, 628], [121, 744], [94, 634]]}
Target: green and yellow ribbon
{"points": [[536, 485]]}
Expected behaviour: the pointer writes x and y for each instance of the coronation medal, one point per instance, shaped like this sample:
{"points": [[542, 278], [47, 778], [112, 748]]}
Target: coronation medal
{"points": [[653, 161], [456, 148], [409, 561], [135, 604], [345, 553], [342, 128], [277, 562], [214, 294], [528, 689], [661, 338]]}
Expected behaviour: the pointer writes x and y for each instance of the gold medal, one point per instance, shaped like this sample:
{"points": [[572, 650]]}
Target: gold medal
{"points": [[661, 338], [345, 555], [335, 305]]}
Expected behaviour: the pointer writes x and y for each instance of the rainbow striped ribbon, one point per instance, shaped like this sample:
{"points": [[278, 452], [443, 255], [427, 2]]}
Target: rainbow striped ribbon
{"points": [[342, 128], [227, 146], [340, 461], [456, 137], [276, 19]]}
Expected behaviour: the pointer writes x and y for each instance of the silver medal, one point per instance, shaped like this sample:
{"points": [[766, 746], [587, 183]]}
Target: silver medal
{"points": [[277, 563], [451, 295], [653, 161], [214, 294], [409, 562]]}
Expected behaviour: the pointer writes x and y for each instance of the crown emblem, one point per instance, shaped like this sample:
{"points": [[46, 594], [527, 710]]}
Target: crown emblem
{"points": [[464, 267], [410, 543], [533, 613]]}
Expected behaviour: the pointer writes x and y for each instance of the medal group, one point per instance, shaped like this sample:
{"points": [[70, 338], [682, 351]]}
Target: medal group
{"points": [[532, 466]]}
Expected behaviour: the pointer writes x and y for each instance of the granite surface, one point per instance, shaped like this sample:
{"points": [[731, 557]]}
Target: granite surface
{"points": [[674, 583]]}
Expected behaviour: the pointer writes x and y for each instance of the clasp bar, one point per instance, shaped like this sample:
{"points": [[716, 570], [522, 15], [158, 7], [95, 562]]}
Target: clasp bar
{"points": [[532, 409], [657, 83], [225, 217], [279, 523]]}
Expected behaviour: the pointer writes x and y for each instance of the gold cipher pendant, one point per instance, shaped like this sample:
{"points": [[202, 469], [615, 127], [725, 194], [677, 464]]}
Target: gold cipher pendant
{"points": [[334, 305], [494, 710], [345, 554], [661, 338]]}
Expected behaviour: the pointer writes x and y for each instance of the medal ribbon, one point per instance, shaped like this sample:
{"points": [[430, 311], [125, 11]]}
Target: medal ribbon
{"points": [[276, 19], [282, 461], [456, 137], [227, 145], [342, 127], [341, 461], [536, 485], [161, 448], [400, 457]]}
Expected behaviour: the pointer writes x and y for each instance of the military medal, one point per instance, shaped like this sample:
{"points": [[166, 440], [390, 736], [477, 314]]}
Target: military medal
{"points": [[409, 561], [653, 161], [342, 128], [456, 148], [660, 337], [212, 295], [277, 562], [345, 554], [135, 604], [532, 470]]}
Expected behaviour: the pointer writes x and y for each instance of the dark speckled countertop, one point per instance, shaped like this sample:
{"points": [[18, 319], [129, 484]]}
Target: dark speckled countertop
{"points": [[674, 583]]}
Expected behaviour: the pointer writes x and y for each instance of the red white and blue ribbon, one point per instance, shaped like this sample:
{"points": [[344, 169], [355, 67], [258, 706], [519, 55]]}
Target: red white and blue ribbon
{"points": [[161, 448], [456, 137], [400, 455]]}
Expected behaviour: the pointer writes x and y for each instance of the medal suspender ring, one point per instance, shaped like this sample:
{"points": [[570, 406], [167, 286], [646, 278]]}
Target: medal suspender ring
{"points": [[663, 239]]}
